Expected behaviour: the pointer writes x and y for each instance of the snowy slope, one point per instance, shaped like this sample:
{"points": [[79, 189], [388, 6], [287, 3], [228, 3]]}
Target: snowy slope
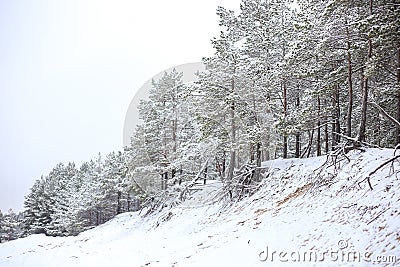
{"points": [[302, 210]]}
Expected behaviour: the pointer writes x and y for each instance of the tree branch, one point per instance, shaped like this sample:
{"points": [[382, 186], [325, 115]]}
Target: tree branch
{"points": [[384, 113]]}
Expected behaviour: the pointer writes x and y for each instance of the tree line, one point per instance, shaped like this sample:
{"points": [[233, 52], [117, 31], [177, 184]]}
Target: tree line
{"points": [[287, 79]]}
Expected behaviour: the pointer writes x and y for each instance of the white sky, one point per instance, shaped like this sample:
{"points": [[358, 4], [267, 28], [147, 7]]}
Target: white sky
{"points": [[70, 68]]}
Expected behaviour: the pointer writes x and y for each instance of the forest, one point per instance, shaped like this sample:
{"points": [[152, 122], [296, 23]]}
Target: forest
{"points": [[286, 80]]}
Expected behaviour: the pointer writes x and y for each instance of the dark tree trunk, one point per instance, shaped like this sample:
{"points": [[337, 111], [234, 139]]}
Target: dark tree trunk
{"points": [[165, 180], [285, 142], [338, 115], [297, 155], [319, 127], [350, 84], [232, 162], [297, 150], [223, 165], [310, 143], [398, 93], [363, 121], [326, 132], [258, 161], [335, 117], [119, 210], [97, 218], [252, 153], [205, 175]]}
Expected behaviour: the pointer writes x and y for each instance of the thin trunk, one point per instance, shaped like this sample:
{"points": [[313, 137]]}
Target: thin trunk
{"points": [[97, 218], [265, 154], [258, 161], [253, 123], [180, 175], [223, 165], [335, 118], [297, 151], [205, 175], [119, 193], [166, 180], [174, 130], [379, 130], [338, 114], [252, 152], [350, 84], [326, 138], [310, 143], [285, 142], [398, 93], [233, 134], [319, 127], [333, 136], [363, 122]]}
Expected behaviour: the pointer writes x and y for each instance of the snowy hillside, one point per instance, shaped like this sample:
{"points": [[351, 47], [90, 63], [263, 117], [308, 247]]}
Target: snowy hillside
{"points": [[304, 209]]}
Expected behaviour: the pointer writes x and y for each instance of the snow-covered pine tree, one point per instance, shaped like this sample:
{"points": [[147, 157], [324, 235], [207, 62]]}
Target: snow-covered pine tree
{"points": [[161, 124], [60, 194], [36, 209], [9, 226]]}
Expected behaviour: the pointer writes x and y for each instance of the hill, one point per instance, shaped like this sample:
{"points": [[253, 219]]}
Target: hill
{"points": [[311, 212]]}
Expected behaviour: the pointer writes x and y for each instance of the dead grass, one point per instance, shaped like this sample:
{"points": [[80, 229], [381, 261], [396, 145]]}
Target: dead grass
{"points": [[299, 191], [261, 211]]}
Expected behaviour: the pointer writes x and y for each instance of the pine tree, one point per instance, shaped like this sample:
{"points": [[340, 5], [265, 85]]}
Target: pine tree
{"points": [[9, 226]]}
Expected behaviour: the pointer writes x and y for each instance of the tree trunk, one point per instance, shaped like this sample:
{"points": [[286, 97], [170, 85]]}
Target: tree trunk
{"points": [[119, 193], [310, 143], [333, 122], [166, 180], [335, 117], [338, 114], [297, 150], [233, 134], [265, 153], [326, 134], [398, 93], [258, 161], [350, 84], [97, 218], [285, 143], [319, 127], [224, 164], [363, 121]]}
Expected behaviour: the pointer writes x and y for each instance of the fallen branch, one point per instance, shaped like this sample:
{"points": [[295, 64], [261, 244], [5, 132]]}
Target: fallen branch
{"points": [[377, 216], [193, 182], [383, 164], [375, 170], [356, 143]]}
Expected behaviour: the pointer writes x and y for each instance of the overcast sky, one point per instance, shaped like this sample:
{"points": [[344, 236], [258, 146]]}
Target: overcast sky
{"points": [[69, 69]]}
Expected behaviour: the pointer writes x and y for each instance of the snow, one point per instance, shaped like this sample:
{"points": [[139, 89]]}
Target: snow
{"points": [[301, 209]]}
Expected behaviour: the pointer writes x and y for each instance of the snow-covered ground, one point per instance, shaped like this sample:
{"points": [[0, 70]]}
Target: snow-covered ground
{"points": [[303, 215]]}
